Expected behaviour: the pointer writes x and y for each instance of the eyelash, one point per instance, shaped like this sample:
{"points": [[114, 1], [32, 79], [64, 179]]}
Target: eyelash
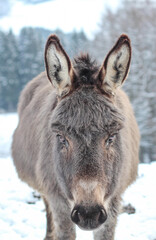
{"points": [[110, 140], [62, 140]]}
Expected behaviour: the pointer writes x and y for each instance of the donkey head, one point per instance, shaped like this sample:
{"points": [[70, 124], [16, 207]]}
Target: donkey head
{"points": [[86, 126]]}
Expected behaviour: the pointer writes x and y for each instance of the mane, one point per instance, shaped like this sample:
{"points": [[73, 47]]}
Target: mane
{"points": [[86, 70]]}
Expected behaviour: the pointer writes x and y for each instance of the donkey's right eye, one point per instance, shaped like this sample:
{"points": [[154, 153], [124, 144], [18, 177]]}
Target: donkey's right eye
{"points": [[110, 140]]}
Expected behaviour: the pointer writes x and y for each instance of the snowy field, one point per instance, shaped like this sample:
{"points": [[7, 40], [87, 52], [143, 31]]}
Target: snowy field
{"points": [[22, 216]]}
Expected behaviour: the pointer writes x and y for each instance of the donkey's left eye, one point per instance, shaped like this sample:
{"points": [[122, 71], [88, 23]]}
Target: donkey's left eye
{"points": [[62, 140]]}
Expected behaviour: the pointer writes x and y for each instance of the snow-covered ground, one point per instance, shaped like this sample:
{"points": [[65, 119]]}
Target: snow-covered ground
{"points": [[21, 220]]}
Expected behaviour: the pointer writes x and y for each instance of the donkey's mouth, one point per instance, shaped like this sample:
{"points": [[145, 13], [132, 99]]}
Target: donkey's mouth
{"points": [[89, 226]]}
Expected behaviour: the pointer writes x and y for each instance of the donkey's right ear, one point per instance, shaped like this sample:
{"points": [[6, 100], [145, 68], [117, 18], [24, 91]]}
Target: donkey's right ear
{"points": [[58, 65]]}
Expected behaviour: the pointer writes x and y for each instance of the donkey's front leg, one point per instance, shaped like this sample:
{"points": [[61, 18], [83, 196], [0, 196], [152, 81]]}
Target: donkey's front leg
{"points": [[50, 224], [107, 231], [63, 226]]}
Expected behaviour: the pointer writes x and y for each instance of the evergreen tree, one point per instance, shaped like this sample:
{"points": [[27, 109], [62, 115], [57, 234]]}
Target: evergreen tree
{"points": [[31, 53], [9, 77]]}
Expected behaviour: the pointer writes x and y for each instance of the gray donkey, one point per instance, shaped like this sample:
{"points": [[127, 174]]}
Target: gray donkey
{"points": [[77, 140]]}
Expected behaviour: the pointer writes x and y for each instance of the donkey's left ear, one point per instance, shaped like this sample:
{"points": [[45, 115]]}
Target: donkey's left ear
{"points": [[116, 65], [58, 65]]}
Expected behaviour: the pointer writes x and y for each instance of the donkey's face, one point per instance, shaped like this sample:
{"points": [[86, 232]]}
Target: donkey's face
{"points": [[86, 127]]}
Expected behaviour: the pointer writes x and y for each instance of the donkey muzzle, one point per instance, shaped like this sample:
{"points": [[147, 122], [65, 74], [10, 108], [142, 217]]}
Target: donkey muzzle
{"points": [[88, 218]]}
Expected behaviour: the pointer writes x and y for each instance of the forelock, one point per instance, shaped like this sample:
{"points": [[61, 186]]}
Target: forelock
{"points": [[86, 110], [86, 71]]}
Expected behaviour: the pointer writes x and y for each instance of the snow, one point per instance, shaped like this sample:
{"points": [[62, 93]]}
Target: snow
{"points": [[21, 220], [8, 123]]}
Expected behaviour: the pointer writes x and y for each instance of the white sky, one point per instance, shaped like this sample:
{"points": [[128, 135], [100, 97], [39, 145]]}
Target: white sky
{"points": [[64, 14]]}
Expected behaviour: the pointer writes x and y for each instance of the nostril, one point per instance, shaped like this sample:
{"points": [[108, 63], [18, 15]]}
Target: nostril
{"points": [[102, 216], [75, 216]]}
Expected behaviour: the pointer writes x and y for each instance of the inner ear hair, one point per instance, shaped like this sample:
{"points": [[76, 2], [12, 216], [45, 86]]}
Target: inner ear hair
{"points": [[58, 65], [116, 65], [54, 40]]}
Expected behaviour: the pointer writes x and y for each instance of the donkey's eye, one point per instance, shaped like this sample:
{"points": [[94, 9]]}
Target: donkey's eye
{"points": [[110, 140], [62, 140]]}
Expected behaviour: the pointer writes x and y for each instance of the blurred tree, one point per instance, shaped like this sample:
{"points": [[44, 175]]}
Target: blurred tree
{"points": [[31, 52], [77, 42], [21, 60], [9, 71]]}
